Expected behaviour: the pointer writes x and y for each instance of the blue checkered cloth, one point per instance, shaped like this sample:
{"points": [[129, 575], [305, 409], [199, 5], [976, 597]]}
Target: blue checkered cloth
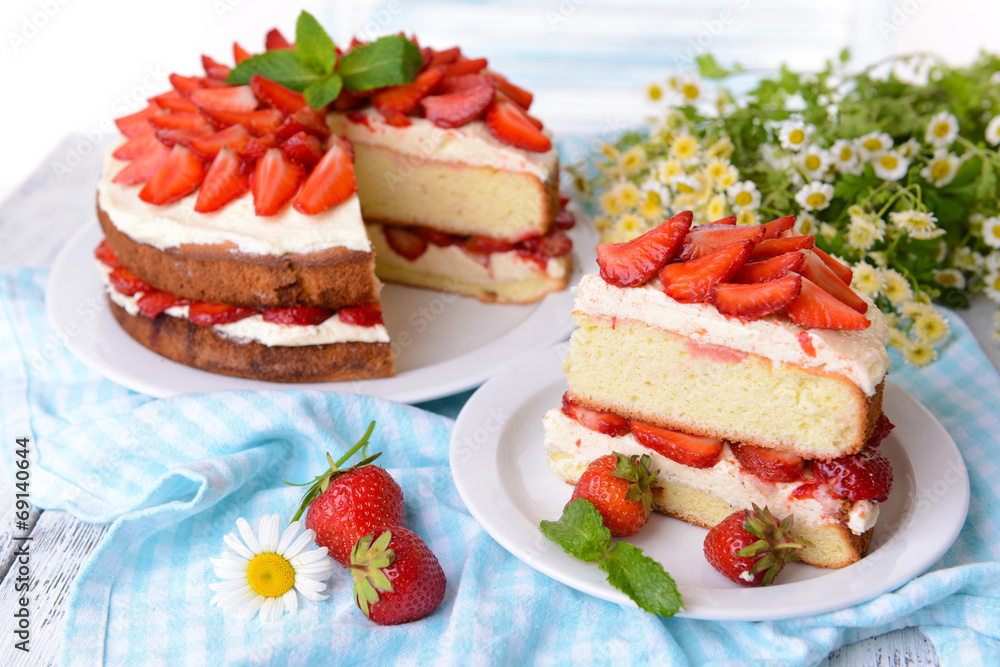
{"points": [[173, 475]]}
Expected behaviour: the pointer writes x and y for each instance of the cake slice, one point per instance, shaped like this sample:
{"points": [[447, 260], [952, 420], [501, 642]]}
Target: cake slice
{"points": [[723, 353]]}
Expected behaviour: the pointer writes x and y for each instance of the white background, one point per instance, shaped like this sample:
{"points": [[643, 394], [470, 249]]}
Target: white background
{"points": [[70, 66]]}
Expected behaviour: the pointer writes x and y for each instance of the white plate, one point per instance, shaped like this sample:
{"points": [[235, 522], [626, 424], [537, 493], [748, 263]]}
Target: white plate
{"points": [[499, 465], [443, 343]]}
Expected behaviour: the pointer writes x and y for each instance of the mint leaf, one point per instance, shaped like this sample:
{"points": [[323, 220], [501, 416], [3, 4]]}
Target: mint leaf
{"points": [[642, 579], [580, 531], [321, 93], [388, 61], [283, 66], [315, 48]]}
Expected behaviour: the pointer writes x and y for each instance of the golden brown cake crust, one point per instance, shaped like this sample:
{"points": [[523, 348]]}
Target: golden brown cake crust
{"points": [[332, 279], [200, 347]]}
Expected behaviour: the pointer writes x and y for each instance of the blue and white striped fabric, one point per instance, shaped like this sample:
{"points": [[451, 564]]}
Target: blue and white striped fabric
{"points": [[173, 475]]}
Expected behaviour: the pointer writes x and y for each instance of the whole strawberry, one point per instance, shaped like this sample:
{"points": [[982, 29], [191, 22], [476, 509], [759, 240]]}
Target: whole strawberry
{"points": [[751, 547], [397, 579], [619, 487], [345, 505]]}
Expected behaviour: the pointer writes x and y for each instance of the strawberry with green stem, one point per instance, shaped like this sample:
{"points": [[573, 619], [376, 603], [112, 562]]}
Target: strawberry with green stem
{"points": [[750, 547]]}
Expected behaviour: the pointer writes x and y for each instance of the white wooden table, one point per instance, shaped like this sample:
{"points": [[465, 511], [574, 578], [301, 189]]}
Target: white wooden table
{"points": [[35, 222]]}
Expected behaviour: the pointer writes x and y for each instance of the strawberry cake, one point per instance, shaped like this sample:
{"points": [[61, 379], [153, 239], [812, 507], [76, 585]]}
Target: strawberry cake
{"points": [[458, 183], [741, 361]]}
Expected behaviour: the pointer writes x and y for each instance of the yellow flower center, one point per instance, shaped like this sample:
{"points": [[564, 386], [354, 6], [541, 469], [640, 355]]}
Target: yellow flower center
{"points": [[744, 198], [653, 198], [685, 188], [941, 130], [655, 92], [996, 282], [889, 161], [846, 153], [873, 145], [796, 136], [940, 169], [690, 91], [816, 199], [270, 575], [813, 162]]}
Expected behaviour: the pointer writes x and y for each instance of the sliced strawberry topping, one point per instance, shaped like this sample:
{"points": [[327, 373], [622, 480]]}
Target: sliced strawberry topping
{"points": [[404, 99], [541, 248], [171, 138], [184, 84], [775, 247], [756, 300], [137, 145], [215, 69], [232, 98], [440, 239], [350, 99], [235, 137], [815, 308], [127, 283], [444, 57], [519, 95], [143, 167], [690, 450], [256, 147], [602, 422], [456, 109], [866, 475], [768, 464], [210, 314], [512, 126], [154, 302], [137, 122], [285, 100], [635, 262], [484, 245], [275, 181], [564, 220], [225, 181], [106, 255], [706, 239], [769, 269], [179, 175], [882, 428], [174, 101], [297, 315], [692, 281], [777, 228], [303, 148], [454, 84], [366, 315], [843, 271], [178, 120], [262, 121], [331, 182], [805, 491], [275, 41], [404, 242], [303, 120], [466, 66], [239, 53], [816, 270]]}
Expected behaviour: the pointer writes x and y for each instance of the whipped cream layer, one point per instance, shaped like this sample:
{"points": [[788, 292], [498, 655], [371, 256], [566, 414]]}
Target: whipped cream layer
{"points": [[860, 356], [255, 329], [576, 446], [472, 144], [235, 224]]}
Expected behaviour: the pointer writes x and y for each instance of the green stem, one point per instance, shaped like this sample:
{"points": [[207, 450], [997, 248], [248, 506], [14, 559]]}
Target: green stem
{"points": [[361, 443]]}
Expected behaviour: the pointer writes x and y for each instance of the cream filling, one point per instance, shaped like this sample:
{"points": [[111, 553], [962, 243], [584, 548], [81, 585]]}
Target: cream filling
{"points": [[577, 446], [455, 262], [235, 224], [472, 144], [858, 355], [255, 329]]}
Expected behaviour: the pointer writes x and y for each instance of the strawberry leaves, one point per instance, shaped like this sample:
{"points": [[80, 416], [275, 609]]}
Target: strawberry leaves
{"points": [[369, 578], [580, 531], [311, 67]]}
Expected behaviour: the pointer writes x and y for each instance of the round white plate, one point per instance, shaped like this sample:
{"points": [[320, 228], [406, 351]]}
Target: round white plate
{"points": [[443, 343], [499, 465]]}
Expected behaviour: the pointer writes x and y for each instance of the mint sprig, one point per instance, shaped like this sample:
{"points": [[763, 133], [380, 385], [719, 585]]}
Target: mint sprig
{"points": [[311, 68], [581, 532]]}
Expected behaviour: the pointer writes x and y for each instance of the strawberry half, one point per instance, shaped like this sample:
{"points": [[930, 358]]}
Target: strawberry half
{"points": [[136, 146], [815, 308], [297, 315], [635, 262], [256, 148], [768, 464], [692, 281], [137, 122], [690, 450], [866, 475], [816, 270], [171, 138], [285, 100], [457, 109], [303, 148], [304, 120], [225, 181], [444, 56], [179, 175], [366, 315], [454, 84], [154, 302], [775, 247], [404, 242], [232, 98], [512, 126], [706, 239], [602, 422], [275, 181], [127, 283], [519, 95], [769, 269], [143, 167], [330, 183], [106, 255], [210, 314], [756, 300], [404, 99], [564, 220], [235, 137], [184, 84]]}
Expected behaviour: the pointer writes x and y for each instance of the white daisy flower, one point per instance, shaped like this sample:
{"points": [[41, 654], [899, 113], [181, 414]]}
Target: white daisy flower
{"points": [[263, 572], [744, 196], [991, 231], [815, 196], [895, 287], [685, 149], [872, 144], [862, 232], [666, 171], [627, 193], [909, 149], [942, 130], [844, 156], [814, 162], [827, 231], [867, 279], [917, 224], [690, 89], [966, 259], [890, 165], [992, 286], [807, 224], [993, 131], [794, 134], [950, 278], [941, 169], [992, 261]]}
